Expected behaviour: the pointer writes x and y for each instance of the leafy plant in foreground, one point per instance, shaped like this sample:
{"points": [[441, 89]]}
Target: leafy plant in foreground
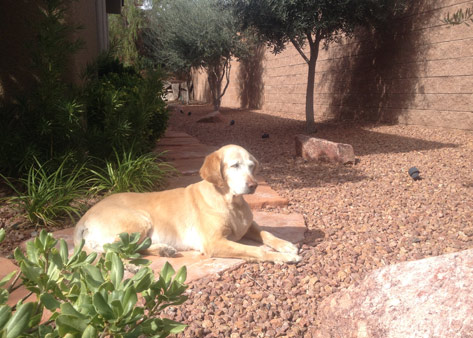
{"points": [[88, 295], [45, 197], [130, 172]]}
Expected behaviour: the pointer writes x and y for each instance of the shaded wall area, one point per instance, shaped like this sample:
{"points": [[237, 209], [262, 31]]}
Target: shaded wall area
{"points": [[17, 33], [418, 71]]}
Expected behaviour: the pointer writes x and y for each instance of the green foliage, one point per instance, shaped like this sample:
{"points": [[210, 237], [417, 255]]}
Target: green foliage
{"points": [[117, 108], [88, 295], [124, 108], [129, 172], [184, 34], [460, 17], [47, 197], [124, 32]]}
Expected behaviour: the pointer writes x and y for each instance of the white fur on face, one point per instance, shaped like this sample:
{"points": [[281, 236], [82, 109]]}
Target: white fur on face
{"points": [[239, 171]]}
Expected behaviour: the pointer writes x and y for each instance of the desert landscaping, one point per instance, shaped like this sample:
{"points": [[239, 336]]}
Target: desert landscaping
{"points": [[359, 217]]}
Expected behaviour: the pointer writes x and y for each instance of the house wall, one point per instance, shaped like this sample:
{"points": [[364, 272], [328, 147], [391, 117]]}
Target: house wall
{"points": [[17, 29], [420, 71]]}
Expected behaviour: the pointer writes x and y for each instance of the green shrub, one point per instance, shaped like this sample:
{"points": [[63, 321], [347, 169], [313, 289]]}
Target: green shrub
{"points": [[116, 108], [45, 197], [124, 108], [129, 172], [88, 295]]}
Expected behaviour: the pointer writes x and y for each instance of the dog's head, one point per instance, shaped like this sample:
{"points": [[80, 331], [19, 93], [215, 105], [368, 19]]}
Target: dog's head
{"points": [[231, 167]]}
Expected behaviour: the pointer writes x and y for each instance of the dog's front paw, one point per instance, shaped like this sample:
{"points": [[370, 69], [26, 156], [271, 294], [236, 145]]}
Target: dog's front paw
{"points": [[287, 258], [288, 247]]}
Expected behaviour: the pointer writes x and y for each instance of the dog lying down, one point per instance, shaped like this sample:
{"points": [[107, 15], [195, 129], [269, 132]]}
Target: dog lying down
{"points": [[208, 216]]}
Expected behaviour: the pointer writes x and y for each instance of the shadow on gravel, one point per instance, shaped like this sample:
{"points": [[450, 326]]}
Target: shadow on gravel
{"points": [[358, 134]]}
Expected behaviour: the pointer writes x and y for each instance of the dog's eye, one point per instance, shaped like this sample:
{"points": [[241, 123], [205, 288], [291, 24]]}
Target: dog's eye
{"points": [[236, 165]]}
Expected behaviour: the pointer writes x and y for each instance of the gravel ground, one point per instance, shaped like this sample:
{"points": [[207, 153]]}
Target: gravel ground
{"points": [[359, 217]]}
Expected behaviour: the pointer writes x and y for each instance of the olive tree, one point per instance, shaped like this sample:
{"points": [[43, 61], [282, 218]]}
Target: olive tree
{"points": [[310, 22], [187, 34]]}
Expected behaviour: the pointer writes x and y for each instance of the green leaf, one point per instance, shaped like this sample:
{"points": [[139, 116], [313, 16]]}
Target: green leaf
{"points": [[173, 327], [7, 278], [68, 309], [4, 294], [49, 301], [90, 332], [116, 271], [167, 272], [102, 307], [18, 323], [2, 235], [32, 251], [93, 276], [77, 251], [125, 238], [130, 298], [91, 258], [143, 279], [140, 261], [144, 245], [5, 314], [56, 258], [181, 275], [70, 324], [63, 250]]}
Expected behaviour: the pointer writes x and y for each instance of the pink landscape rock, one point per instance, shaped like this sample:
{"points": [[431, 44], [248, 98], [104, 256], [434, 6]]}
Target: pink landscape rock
{"points": [[312, 148], [426, 298]]}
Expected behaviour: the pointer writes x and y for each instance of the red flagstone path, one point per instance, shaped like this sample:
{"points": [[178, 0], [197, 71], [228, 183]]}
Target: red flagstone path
{"points": [[187, 154]]}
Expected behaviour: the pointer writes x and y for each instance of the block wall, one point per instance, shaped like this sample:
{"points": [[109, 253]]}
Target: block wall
{"points": [[418, 71]]}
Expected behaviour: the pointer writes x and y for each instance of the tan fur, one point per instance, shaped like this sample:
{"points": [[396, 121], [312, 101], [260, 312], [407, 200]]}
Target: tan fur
{"points": [[209, 216]]}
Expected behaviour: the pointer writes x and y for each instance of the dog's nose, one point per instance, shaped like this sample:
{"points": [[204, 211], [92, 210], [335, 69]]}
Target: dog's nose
{"points": [[252, 185]]}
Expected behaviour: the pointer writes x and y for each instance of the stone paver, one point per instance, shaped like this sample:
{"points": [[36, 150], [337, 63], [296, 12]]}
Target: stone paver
{"points": [[185, 151], [188, 166]]}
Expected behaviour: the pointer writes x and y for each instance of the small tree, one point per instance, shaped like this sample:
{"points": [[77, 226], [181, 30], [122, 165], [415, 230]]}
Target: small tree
{"points": [[187, 34], [302, 22], [125, 31]]}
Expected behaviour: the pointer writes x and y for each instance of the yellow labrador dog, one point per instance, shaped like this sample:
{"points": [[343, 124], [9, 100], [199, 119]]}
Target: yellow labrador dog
{"points": [[208, 216]]}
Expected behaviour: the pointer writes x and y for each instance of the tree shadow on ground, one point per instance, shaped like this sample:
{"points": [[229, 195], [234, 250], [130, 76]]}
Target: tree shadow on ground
{"points": [[279, 161], [360, 135]]}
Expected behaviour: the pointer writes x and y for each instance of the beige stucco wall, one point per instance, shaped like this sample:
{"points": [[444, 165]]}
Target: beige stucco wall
{"points": [[418, 72]]}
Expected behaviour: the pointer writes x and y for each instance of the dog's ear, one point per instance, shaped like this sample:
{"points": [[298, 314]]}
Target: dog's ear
{"points": [[211, 170]]}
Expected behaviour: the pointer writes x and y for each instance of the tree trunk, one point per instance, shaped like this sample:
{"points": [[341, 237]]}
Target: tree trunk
{"points": [[309, 99]]}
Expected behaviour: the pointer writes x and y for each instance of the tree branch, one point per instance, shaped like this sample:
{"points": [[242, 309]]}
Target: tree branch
{"points": [[227, 68], [299, 49]]}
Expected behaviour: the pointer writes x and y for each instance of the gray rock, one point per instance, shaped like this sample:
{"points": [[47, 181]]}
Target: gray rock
{"points": [[426, 298]]}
